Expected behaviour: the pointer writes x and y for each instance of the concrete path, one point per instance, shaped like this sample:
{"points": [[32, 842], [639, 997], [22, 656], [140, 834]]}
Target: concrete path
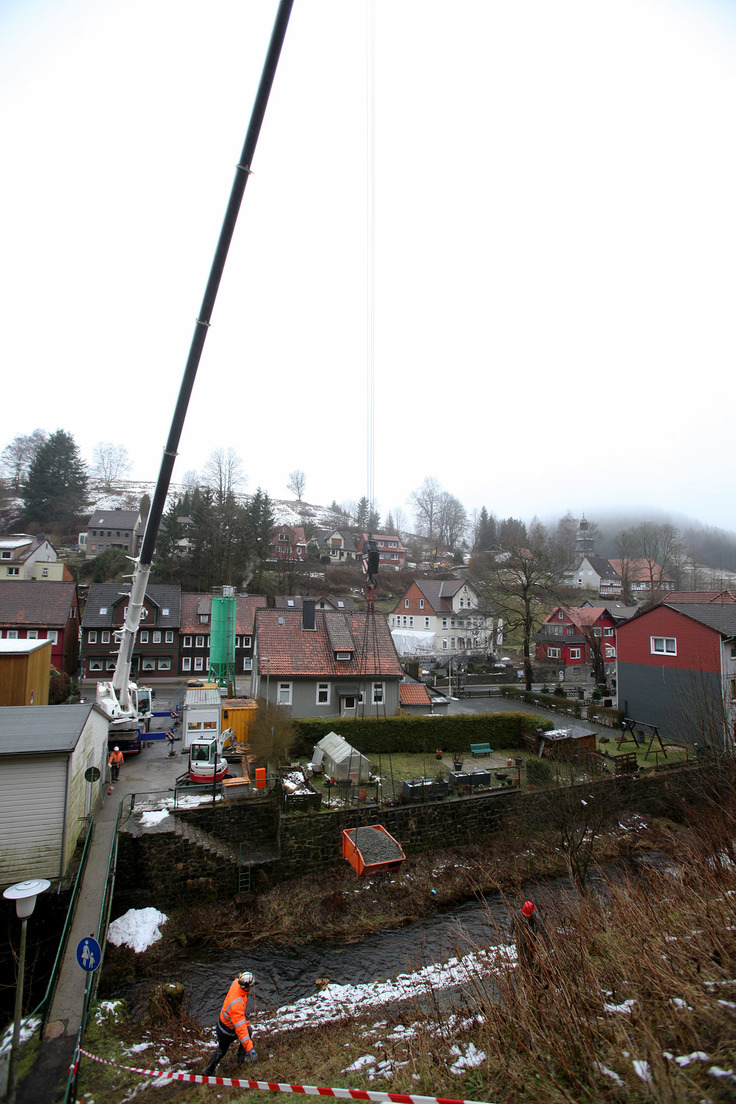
{"points": [[151, 770]]}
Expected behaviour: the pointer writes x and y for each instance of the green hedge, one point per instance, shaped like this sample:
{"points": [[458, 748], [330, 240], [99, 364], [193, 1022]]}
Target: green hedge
{"points": [[418, 735]]}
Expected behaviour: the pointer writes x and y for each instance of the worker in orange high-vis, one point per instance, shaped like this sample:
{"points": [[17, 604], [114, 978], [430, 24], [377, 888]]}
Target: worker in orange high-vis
{"points": [[234, 1024], [116, 762]]}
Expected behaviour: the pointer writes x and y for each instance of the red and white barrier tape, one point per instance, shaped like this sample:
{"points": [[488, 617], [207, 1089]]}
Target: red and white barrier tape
{"points": [[277, 1086]]}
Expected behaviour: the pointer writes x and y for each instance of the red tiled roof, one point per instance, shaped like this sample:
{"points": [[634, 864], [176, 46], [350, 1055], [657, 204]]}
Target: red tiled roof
{"points": [[292, 650], [413, 693]]}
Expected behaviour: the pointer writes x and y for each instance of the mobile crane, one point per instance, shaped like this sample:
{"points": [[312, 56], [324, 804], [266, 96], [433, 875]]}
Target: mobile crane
{"points": [[126, 705]]}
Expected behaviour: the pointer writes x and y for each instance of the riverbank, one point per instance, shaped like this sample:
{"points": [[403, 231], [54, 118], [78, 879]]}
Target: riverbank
{"points": [[635, 1000]]}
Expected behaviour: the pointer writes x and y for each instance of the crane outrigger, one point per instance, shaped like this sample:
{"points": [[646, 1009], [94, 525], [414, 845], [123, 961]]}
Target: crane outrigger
{"points": [[125, 704]]}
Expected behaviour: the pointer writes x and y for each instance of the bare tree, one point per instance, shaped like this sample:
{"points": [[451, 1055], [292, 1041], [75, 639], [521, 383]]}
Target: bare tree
{"points": [[658, 545], [521, 585], [426, 503], [297, 483], [17, 457], [452, 520], [223, 473], [624, 544], [399, 520], [110, 463]]}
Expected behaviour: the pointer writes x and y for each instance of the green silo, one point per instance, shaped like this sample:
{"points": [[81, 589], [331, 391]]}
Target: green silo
{"points": [[222, 638]]}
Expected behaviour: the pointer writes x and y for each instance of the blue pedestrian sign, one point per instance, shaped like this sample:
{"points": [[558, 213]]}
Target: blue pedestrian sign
{"points": [[89, 954]]}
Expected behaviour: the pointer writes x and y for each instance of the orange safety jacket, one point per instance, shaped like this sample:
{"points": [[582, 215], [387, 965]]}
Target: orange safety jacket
{"points": [[233, 1015], [116, 757]]}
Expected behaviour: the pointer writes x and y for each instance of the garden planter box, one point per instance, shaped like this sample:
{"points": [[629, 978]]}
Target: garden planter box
{"points": [[424, 789]]}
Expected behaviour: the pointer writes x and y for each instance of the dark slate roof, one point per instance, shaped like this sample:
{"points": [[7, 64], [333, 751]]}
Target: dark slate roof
{"points": [[113, 519], [322, 537], [41, 729], [295, 652], [439, 594], [720, 618], [35, 603], [602, 567], [104, 596]]}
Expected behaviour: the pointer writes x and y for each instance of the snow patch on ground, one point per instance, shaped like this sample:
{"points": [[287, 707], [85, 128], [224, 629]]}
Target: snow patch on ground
{"points": [[137, 929]]}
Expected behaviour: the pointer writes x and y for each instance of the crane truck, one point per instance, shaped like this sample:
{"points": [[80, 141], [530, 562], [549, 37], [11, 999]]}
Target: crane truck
{"points": [[127, 705]]}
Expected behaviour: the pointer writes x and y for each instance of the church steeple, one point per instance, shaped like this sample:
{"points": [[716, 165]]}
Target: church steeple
{"points": [[584, 541]]}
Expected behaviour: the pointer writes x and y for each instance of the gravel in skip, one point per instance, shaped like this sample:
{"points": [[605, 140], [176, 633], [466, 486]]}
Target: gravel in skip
{"points": [[374, 845]]}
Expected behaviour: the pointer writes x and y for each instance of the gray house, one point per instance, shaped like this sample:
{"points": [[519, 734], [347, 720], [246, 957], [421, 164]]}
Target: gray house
{"points": [[45, 751], [325, 663]]}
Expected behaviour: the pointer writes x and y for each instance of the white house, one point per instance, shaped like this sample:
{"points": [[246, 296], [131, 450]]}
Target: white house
{"points": [[20, 553], [45, 751], [441, 617]]}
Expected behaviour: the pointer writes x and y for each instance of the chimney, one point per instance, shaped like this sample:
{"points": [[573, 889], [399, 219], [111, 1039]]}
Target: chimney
{"points": [[308, 623]]}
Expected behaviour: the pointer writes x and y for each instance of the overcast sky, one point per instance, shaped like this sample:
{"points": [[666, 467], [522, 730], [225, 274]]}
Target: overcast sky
{"points": [[555, 235]]}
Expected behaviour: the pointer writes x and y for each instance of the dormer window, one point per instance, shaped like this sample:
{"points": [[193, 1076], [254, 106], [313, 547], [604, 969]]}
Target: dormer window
{"points": [[343, 657]]}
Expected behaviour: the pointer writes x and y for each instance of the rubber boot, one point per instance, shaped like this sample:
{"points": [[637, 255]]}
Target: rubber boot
{"points": [[214, 1062]]}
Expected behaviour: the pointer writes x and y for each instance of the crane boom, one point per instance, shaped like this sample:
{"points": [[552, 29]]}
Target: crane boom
{"points": [[118, 698]]}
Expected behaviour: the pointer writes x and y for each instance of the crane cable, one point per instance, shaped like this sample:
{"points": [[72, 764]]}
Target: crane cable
{"points": [[370, 117]]}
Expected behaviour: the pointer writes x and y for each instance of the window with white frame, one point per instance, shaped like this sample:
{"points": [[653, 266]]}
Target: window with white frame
{"points": [[610, 651], [323, 693], [574, 653], [406, 603], [198, 663], [444, 643], [426, 622], [421, 603], [12, 570], [377, 693], [608, 631], [11, 634], [246, 642], [32, 634], [92, 636], [164, 663], [444, 622], [169, 636], [664, 645], [95, 665], [199, 642], [156, 636], [237, 641], [247, 663], [186, 642], [411, 622], [52, 635], [283, 693], [148, 664], [186, 663], [105, 636], [553, 653], [143, 636]]}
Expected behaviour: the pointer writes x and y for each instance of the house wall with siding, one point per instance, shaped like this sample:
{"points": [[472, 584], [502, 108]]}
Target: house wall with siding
{"points": [[35, 791], [304, 696], [698, 647]]}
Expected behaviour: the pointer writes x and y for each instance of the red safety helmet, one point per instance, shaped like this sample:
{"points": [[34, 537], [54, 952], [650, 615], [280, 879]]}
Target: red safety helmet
{"points": [[527, 908]]}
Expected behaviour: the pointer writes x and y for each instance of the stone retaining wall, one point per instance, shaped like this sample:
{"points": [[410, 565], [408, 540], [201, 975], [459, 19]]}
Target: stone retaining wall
{"points": [[161, 867]]}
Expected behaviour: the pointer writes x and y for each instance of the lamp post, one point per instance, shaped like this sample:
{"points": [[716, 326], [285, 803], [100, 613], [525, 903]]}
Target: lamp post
{"points": [[24, 894]]}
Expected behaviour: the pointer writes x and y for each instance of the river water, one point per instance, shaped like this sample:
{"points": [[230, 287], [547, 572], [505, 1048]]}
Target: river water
{"points": [[286, 975]]}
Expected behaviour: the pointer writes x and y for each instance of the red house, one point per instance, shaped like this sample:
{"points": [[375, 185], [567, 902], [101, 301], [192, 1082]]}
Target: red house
{"points": [[566, 637], [288, 542], [677, 670], [34, 610]]}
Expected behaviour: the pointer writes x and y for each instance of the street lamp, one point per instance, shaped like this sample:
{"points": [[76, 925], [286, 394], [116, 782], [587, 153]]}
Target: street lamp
{"points": [[24, 894]]}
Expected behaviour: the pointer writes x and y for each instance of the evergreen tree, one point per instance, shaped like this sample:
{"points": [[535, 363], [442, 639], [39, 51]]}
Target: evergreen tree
{"points": [[361, 513], [55, 492], [259, 521], [486, 534]]}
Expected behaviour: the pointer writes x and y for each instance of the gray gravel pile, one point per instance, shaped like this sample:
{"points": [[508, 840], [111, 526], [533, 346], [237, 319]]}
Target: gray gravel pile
{"points": [[374, 845]]}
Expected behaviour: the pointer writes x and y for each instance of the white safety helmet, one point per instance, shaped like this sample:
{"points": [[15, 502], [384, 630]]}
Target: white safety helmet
{"points": [[245, 979], [116, 749]]}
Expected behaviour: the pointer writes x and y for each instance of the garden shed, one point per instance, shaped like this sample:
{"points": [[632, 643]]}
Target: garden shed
{"points": [[341, 760], [53, 761]]}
